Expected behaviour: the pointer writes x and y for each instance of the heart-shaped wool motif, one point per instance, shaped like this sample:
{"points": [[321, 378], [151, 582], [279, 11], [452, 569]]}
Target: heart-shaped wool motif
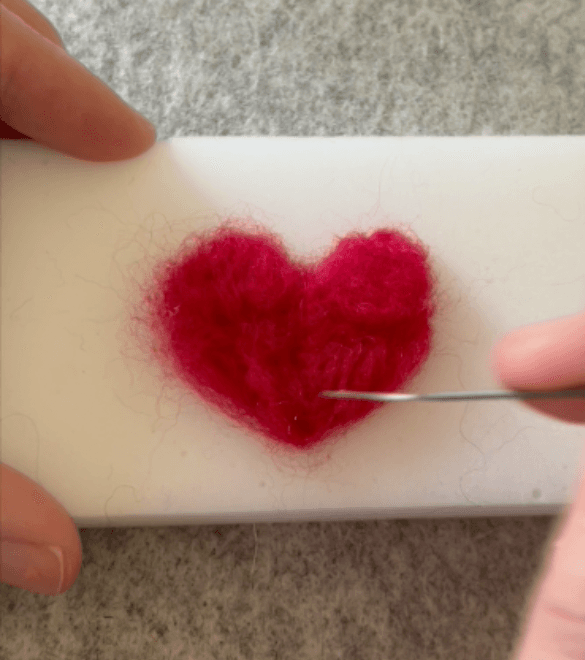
{"points": [[259, 334]]}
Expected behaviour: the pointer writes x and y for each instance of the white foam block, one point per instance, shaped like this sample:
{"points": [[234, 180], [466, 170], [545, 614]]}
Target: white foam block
{"points": [[503, 218]]}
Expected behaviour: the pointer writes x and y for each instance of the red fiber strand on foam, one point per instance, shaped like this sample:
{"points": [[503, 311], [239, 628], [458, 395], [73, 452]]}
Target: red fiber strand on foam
{"points": [[259, 335]]}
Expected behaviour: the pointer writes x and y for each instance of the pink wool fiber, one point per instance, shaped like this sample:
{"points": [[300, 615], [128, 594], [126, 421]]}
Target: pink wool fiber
{"points": [[259, 335]]}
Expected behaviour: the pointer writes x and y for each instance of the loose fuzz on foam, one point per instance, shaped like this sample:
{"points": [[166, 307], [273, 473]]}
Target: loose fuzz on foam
{"points": [[259, 335]]}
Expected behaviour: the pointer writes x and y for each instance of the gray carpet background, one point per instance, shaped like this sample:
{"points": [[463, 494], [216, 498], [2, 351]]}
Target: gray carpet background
{"points": [[380, 590]]}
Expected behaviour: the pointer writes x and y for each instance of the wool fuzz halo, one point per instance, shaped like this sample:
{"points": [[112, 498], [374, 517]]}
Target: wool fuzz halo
{"points": [[258, 334]]}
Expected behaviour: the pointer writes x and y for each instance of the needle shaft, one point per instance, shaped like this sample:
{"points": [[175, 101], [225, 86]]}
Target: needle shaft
{"points": [[454, 396]]}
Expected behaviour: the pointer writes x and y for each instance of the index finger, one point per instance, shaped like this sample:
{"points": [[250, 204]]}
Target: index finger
{"points": [[33, 17], [49, 96]]}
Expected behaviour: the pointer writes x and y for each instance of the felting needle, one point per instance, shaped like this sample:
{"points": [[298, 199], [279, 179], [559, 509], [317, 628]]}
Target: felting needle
{"points": [[454, 396]]}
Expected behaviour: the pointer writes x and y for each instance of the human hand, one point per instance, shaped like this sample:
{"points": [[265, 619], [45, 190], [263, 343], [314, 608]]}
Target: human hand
{"points": [[549, 356], [47, 96]]}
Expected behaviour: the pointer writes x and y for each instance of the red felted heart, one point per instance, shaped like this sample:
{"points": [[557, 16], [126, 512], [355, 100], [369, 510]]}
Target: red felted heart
{"points": [[260, 335]]}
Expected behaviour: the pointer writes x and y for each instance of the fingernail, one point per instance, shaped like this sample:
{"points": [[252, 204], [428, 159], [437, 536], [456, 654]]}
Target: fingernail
{"points": [[32, 567]]}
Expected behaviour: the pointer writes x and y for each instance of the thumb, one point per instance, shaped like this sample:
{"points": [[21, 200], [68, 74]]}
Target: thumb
{"points": [[555, 628], [40, 547], [548, 355]]}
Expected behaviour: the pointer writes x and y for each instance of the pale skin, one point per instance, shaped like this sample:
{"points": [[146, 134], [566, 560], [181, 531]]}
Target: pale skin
{"points": [[47, 96]]}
